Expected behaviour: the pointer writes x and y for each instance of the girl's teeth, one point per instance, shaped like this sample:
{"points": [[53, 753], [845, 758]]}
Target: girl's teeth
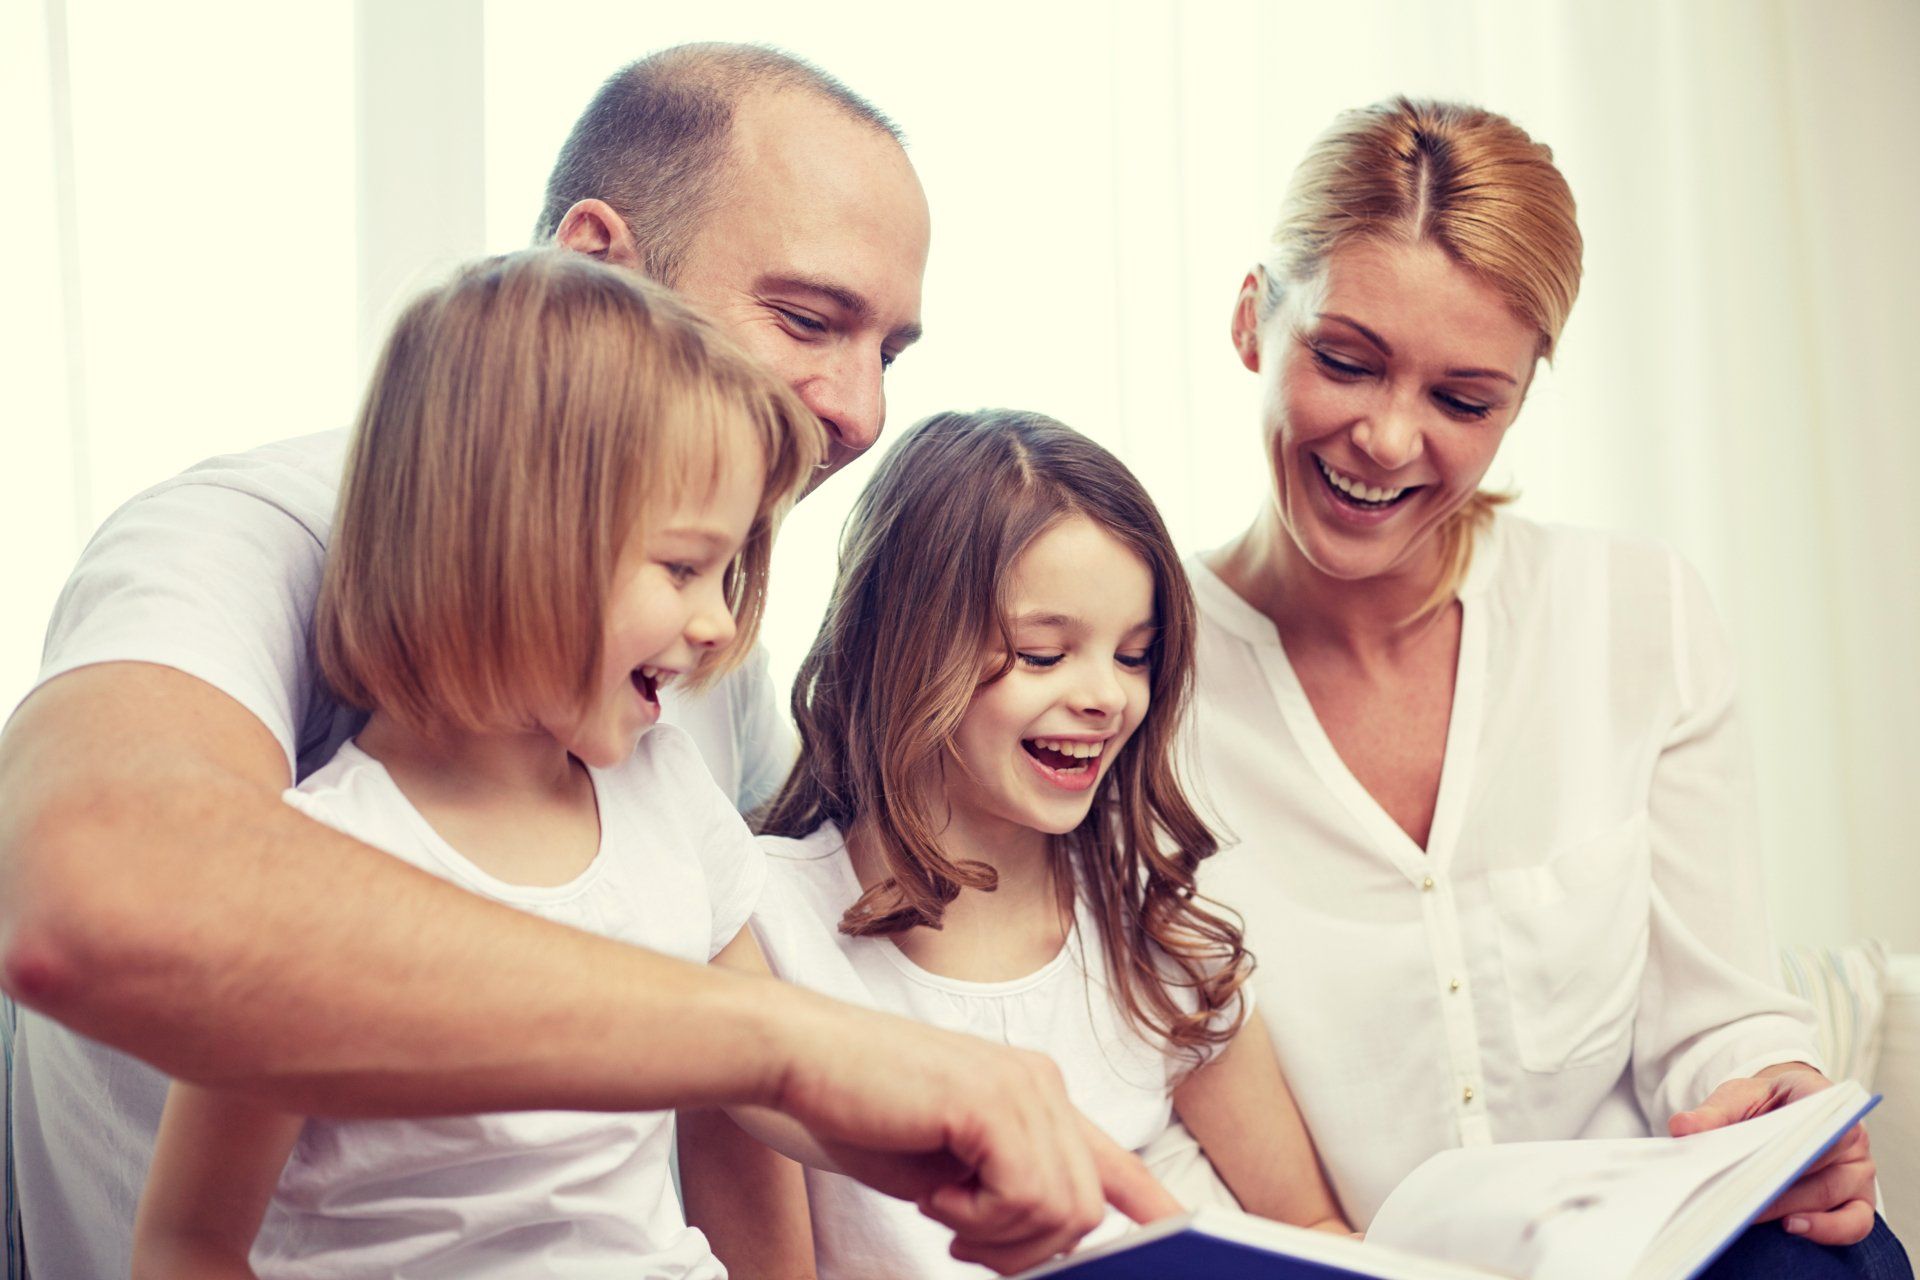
{"points": [[1077, 750]]}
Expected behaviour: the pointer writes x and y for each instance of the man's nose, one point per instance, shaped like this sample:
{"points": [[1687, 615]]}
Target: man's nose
{"points": [[849, 399]]}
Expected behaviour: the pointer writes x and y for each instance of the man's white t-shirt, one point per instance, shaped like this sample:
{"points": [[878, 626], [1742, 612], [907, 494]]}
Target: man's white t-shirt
{"points": [[214, 573], [1118, 1078], [563, 1193]]}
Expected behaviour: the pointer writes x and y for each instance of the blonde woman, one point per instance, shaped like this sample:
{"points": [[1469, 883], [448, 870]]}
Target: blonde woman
{"points": [[1493, 805]]}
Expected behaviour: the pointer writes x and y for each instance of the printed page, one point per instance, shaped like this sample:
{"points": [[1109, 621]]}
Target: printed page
{"points": [[1575, 1210]]}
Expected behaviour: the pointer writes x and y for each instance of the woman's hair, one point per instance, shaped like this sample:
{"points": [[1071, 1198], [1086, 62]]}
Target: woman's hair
{"points": [[526, 419], [923, 592], [1467, 180]]}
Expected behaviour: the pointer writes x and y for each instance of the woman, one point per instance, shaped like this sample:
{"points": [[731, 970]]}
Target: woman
{"points": [[1492, 798]]}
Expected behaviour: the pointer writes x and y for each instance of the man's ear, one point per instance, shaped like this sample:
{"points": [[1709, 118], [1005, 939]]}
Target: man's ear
{"points": [[1246, 322], [593, 228]]}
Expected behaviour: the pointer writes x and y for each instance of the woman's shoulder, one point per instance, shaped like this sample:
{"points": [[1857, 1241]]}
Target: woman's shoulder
{"points": [[1569, 563]]}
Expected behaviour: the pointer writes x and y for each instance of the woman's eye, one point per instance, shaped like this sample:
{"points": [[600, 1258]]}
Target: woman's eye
{"points": [[682, 573], [1134, 661], [1465, 408], [1041, 660], [1336, 366]]}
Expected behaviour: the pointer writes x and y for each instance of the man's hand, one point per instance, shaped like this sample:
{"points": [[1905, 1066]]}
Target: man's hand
{"points": [[980, 1136], [1832, 1203]]}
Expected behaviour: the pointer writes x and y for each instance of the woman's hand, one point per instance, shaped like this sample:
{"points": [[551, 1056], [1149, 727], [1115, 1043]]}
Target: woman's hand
{"points": [[1832, 1203]]}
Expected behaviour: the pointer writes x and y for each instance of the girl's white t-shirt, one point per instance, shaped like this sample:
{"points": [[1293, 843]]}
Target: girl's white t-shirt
{"points": [[550, 1193], [1119, 1079]]}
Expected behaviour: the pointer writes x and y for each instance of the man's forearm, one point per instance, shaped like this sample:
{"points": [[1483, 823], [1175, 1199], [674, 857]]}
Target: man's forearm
{"points": [[188, 916]]}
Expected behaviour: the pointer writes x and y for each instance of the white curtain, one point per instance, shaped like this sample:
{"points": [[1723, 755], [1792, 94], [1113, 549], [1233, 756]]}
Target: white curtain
{"points": [[1100, 175]]}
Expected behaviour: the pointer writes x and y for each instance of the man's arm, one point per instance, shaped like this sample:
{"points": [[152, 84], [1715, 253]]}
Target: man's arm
{"points": [[157, 894]]}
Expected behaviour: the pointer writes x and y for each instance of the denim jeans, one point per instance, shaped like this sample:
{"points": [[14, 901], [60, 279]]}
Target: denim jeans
{"points": [[1766, 1252]]}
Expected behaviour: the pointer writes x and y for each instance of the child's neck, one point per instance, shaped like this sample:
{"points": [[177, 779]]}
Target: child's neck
{"points": [[995, 936], [516, 805]]}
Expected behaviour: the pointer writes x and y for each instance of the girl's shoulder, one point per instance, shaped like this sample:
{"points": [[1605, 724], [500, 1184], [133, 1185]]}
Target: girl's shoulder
{"points": [[350, 792], [665, 776], [812, 873]]}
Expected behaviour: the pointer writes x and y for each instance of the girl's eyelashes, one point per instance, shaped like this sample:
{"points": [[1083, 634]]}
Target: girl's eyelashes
{"points": [[1131, 661], [681, 572]]}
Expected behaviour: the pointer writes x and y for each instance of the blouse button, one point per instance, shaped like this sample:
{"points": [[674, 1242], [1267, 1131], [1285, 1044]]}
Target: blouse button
{"points": [[1466, 1095], [1454, 985], [1426, 884]]}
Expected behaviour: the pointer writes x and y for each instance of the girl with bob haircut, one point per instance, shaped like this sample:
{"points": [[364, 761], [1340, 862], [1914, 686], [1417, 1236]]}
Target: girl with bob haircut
{"points": [[561, 497], [985, 830], [1489, 777]]}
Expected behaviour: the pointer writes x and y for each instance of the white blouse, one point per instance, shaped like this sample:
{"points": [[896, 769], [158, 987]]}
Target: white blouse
{"points": [[1582, 949]]}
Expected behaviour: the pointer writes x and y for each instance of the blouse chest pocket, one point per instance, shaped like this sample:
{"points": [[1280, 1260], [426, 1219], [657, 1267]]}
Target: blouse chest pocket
{"points": [[1573, 945]]}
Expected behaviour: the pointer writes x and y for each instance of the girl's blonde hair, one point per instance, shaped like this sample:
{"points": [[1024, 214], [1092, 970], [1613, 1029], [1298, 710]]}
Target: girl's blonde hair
{"points": [[524, 421], [1464, 179], [923, 591]]}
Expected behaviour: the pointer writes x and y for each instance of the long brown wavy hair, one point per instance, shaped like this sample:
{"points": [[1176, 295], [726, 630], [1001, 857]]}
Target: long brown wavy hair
{"points": [[922, 593]]}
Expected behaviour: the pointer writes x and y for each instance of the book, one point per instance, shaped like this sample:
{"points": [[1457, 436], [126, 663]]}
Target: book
{"points": [[1587, 1209]]}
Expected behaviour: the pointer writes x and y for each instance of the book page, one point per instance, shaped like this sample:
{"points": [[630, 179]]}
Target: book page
{"points": [[1573, 1210]]}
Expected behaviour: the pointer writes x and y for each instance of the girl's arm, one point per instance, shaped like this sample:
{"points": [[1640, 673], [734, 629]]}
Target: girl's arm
{"points": [[1242, 1113], [750, 1200], [215, 1165]]}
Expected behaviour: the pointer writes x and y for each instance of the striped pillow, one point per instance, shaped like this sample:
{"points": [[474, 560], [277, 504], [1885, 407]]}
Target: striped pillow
{"points": [[1847, 987]]}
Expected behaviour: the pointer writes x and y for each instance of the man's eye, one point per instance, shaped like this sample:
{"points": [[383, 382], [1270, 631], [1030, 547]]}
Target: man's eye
{"points": [[1041, 660], [805, 323]]}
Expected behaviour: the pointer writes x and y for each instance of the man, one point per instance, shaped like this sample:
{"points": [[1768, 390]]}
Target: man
{"points": [[156, 894]]}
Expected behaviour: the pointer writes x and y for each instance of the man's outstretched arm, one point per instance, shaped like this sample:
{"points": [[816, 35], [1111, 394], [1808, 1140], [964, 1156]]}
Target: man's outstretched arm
{"points": [[156, 894]]}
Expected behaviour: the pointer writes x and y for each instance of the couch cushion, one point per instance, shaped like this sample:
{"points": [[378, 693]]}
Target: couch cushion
{"points": [[1847, 987]]}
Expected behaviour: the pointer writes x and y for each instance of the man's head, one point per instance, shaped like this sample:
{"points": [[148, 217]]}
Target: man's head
{"points": [[772, 196]]}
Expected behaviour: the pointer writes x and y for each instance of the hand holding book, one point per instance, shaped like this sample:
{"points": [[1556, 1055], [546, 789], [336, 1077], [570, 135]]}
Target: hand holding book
{"points": [[1832, 1203]]}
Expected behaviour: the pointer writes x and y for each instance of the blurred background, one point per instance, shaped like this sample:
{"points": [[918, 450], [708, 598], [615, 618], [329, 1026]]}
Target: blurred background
{"points": [[214, 206]]}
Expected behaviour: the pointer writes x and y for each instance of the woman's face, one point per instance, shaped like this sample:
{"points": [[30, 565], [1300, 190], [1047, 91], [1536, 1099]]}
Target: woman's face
{"points": [[1389, 385]]}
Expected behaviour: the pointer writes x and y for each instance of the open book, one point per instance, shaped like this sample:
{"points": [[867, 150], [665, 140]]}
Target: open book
{"points": [[1602, 1209]]}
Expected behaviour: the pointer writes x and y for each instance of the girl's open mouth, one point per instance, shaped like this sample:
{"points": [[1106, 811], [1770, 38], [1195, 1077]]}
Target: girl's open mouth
{"points": [[1071, 766]]}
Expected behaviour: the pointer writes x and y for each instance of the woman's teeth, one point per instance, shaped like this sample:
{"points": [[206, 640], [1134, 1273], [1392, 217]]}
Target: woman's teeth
{"points": [[1354, 489]]}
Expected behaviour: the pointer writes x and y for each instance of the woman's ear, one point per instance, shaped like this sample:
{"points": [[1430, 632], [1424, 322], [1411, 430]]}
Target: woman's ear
{"points": [[1246, 320], [594, 228]]}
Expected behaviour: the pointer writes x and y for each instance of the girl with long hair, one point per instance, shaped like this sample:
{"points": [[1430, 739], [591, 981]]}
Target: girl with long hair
{"points": [[986, 832]]}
